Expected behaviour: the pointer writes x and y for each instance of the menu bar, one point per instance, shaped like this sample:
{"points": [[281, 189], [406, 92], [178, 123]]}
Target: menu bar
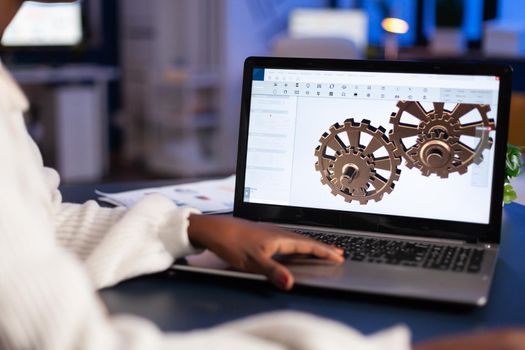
{"points": [[373, 92]]}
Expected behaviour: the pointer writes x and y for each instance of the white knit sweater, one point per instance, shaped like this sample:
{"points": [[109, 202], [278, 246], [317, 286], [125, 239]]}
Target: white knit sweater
{"points": [[54, 255]]}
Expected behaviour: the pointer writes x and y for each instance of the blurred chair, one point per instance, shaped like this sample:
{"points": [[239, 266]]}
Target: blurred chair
{"points": [[517, 119], [324, 47]]}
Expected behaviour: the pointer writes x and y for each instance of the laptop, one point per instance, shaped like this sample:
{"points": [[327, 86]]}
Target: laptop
{"points": [[399, 163]]}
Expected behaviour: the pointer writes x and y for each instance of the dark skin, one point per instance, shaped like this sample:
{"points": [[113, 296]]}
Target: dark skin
{"points": [[249, 247]]}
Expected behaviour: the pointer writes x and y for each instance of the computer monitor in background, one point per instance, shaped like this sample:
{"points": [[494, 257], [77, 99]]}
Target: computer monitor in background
{"points": [[348, 24], [56, 34], [45, 25]]}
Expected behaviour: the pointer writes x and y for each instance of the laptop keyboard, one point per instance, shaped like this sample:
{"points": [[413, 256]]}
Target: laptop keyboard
{"points": [[397, 252]]}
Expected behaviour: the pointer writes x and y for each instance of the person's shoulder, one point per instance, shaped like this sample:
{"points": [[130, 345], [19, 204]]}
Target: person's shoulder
{"points": [[13, 99]]}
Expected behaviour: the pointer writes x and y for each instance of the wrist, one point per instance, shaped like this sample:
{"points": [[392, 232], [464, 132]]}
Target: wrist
{"points": [[208, 231], [197, 229]]}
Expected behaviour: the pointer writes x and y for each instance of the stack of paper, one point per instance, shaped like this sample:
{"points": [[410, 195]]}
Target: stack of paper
{"points": [[210, 197]]}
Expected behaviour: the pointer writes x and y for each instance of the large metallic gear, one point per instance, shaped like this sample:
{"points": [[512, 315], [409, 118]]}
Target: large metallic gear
{"points": [[439, 133], [351, 171]]}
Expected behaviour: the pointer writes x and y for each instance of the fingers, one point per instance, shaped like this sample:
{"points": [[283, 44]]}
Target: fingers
{"points": [[279, 275], [299, 244], [312, 247]]}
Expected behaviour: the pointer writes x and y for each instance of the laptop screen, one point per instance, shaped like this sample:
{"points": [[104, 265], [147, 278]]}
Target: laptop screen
{"points": [[403, 144]]}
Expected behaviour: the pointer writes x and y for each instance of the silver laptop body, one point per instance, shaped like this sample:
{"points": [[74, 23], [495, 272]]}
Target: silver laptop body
{"points": [[400, 162]]}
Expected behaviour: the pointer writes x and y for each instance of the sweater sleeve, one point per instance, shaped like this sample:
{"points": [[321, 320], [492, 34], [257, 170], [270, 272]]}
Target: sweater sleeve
{"points": [[119, 243]]}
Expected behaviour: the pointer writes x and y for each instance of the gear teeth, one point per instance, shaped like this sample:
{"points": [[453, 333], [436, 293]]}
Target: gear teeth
{"points": [[363, 201], [396, 175], [378, 198], [324, 137], [333, 129], [396, 161], [402, 104], [448, 118], [484, 108], [350, 123], [393, 119]]}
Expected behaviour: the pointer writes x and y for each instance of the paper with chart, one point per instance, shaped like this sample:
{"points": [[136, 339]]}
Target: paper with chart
{"points": [[210, 197]]}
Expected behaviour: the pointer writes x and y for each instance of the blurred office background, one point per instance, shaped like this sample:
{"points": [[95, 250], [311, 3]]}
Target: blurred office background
{"points": [[134, 89]]}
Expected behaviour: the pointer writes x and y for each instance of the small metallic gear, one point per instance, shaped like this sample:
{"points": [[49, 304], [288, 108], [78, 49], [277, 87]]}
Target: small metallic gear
{"points": [[434, 153], [351, 170], [439, 131]]}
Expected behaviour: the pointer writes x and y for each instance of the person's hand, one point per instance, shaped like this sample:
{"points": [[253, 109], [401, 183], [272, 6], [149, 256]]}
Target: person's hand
{"points": [[248, 246], [503, 339]]}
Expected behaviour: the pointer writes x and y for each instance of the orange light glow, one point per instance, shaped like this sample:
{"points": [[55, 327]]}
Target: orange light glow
{"points": [[394, 25]]}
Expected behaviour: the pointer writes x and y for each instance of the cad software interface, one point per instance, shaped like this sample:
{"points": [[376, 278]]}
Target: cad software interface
{"points": [[417, 145]]}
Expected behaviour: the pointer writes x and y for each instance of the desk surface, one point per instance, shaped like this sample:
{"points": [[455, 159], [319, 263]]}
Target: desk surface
{"points": [[183, 301]]}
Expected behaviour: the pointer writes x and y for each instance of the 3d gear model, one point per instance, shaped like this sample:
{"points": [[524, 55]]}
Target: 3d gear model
{"points": [[365, 172], [352, 170], [439, 149]]}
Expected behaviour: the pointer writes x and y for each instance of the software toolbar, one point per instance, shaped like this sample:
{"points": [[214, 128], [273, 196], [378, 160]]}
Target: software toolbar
{"points": [[373, 92]]}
